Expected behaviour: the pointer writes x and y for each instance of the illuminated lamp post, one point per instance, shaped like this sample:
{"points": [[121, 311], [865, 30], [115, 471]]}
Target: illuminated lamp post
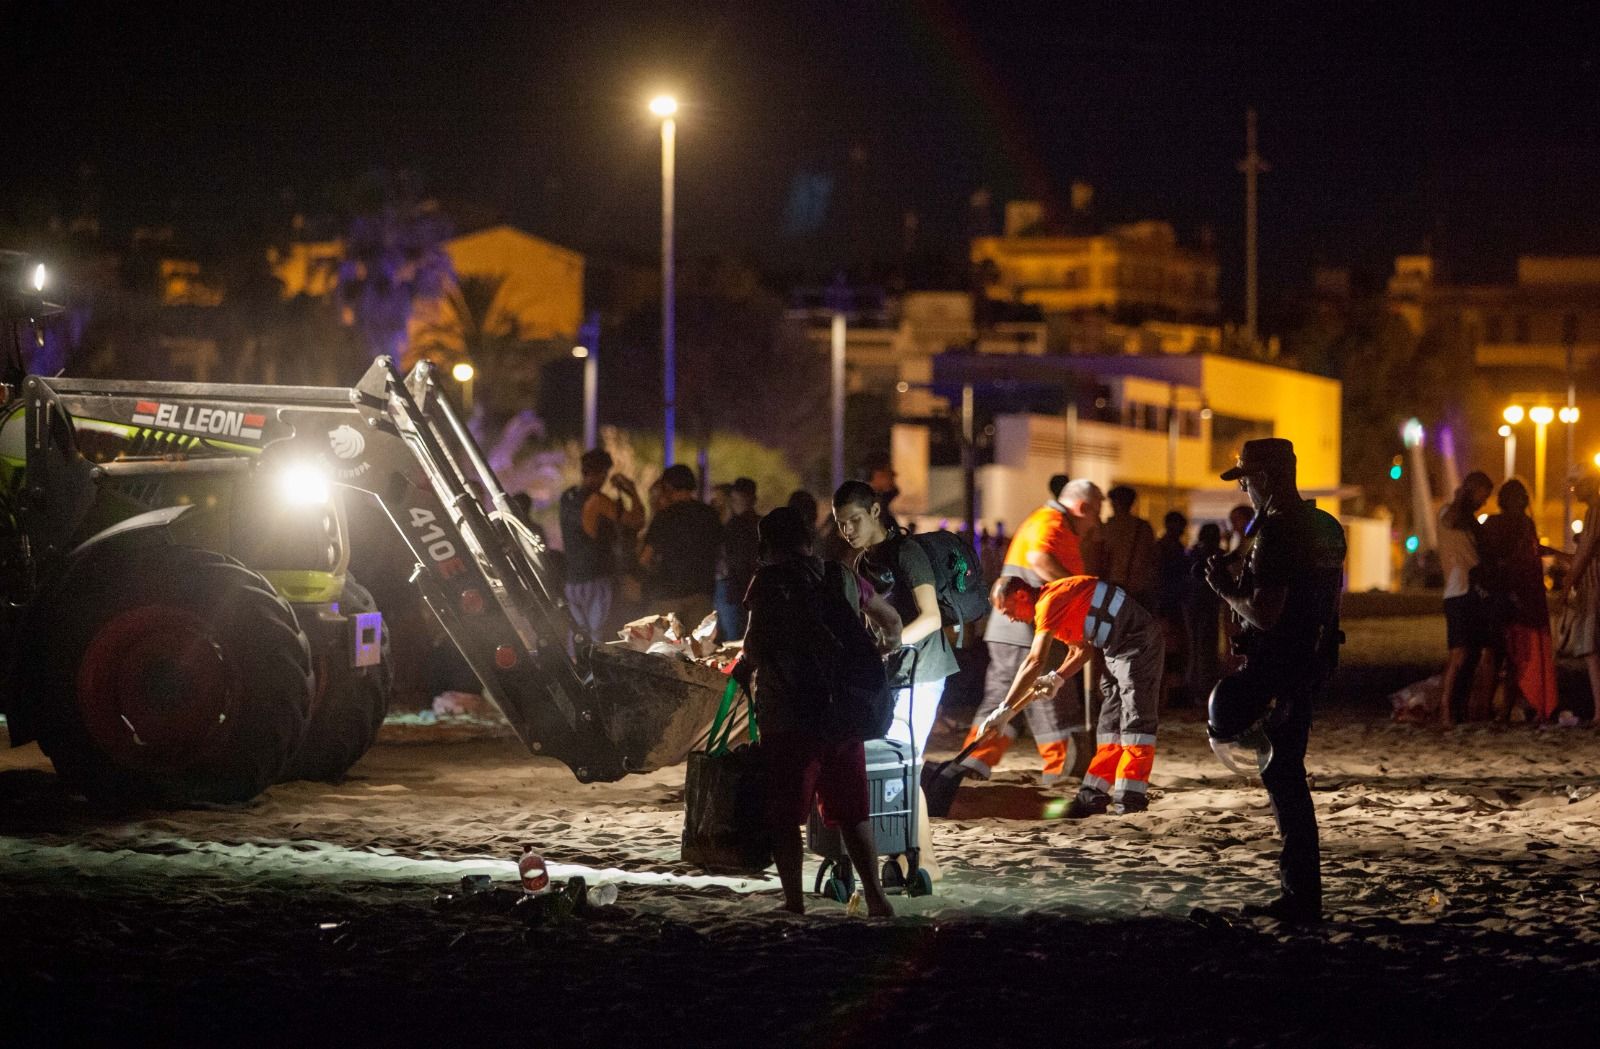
{"points": [[464, 373], [1513, 415], [666, 107], [588, 351], [1568, 415], [1542, 415], [1412, 435]]}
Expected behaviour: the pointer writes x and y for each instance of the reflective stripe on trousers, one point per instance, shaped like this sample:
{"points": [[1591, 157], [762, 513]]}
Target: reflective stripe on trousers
{"points": [[1130, 689], [1050, 722]]}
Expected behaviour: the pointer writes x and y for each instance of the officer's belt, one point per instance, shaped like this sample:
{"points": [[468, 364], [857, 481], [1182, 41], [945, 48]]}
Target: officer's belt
{"points": [[1104, 605]]}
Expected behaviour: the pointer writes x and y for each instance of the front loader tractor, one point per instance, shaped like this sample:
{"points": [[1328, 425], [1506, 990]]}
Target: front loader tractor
{"points": [[180, 622]]}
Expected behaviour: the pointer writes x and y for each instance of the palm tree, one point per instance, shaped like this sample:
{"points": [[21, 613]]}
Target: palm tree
{"points": [[394, 257], [475, 326]]}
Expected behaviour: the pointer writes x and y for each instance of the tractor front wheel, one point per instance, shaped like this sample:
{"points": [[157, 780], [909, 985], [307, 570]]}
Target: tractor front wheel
{"points": [[167, 674], [348, 705]]}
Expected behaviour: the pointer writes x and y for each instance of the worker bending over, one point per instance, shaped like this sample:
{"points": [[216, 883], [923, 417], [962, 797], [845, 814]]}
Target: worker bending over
{"points": [[1089, 615], [1048, 546]]}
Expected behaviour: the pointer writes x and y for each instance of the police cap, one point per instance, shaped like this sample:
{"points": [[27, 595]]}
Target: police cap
{"points": [[1263, 454]]}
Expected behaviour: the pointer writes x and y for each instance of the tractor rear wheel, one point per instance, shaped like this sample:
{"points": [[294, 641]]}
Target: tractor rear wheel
{"points": [[167, 674], [348, 705]]}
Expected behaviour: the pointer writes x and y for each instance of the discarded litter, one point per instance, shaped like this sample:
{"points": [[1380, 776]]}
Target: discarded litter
{"points": [[531, 868]]}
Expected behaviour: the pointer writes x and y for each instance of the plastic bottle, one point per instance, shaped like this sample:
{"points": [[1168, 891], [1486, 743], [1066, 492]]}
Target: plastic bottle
{"points": [[531, 868]]}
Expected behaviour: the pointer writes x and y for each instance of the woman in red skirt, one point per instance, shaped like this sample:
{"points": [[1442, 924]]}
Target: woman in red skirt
{"points": [[1513, 572]]}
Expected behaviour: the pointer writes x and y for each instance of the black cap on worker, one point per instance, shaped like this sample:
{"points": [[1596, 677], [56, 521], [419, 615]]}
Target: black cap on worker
{"points": [[1264, 455]]}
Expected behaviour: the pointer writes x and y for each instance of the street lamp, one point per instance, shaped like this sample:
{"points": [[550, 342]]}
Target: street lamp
{"points": [[588, 351], [1542, 416], [666, 107], [1512, 415], [1568, 415], [464, 373]]}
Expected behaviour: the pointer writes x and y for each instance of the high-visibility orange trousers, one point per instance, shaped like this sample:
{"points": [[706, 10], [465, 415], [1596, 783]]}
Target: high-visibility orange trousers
{"points": [[1049, 720], [1120, 769], [1130, 688]]}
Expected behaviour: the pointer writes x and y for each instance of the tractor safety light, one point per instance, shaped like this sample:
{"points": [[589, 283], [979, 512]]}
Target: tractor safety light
{"points": [[303, 485], [471, 602], [463, 372], [505, 657], [1412, 542], [1541, 415]]}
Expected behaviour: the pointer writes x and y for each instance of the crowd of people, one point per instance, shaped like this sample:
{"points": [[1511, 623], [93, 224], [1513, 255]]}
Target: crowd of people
{"points": [[1070, 591], [1497, 605]]}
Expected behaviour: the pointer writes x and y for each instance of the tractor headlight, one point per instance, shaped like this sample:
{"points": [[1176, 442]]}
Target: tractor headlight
{"points": [[304, 485]]}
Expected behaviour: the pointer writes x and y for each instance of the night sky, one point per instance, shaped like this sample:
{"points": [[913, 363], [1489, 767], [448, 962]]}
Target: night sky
{"points": [[809, 129]]}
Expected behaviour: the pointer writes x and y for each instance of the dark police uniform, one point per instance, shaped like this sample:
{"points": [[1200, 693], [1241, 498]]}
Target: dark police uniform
{"points": [[1302, 549]]}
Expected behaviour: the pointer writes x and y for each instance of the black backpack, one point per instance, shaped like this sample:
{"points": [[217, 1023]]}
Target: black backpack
{"points": [[957, 577], [830, 654]]}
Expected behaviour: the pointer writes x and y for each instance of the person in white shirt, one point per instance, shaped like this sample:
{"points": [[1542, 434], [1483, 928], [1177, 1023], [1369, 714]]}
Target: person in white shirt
{"points": [[1469, 618]]}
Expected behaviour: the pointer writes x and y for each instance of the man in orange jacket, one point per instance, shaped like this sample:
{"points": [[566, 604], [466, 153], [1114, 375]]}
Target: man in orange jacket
{"points": [[1048, 546], [1088, 614]]}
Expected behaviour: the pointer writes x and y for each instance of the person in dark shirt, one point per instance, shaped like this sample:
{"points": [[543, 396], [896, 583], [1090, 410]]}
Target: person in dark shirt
{"points": [[738, 565], [589, 523], [802, 761], [1202, 616], [1172, 576], [1287, 598], [680, 549]]}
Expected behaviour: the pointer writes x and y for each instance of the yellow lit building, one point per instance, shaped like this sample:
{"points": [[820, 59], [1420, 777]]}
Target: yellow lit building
{"points": [[543, 287], [1138, 267]]}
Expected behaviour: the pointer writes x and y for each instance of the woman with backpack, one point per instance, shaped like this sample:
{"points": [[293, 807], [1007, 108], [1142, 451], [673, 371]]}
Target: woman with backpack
{"points": [[804, 624], [901, 571]]}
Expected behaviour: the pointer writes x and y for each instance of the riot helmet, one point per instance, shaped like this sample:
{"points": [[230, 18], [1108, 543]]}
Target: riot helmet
{"points": [[1236, 723]]}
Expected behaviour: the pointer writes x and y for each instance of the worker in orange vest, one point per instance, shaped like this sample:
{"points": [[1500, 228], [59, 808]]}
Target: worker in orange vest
{"points": [[1088, 615], [1048, 546]]}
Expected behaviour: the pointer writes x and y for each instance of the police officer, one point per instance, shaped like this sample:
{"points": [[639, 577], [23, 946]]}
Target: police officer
{"points": [[1287, 602]]}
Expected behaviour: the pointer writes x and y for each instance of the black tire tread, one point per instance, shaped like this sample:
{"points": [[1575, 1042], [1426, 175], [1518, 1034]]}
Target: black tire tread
{"points": [[345, 721], [257, 632]]}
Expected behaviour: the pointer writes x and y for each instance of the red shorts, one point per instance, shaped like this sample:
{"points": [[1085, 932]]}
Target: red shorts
{"points": [[802, 768]]}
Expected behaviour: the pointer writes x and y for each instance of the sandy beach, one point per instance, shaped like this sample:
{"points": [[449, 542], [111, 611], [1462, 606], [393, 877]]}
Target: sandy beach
{"points": [[1462, 887]]}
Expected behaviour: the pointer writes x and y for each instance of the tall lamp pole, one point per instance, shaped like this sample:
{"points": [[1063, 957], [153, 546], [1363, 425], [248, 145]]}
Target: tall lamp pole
{"points": [[1542, 415], [1569, 415], [665, 107], [588, 351]]}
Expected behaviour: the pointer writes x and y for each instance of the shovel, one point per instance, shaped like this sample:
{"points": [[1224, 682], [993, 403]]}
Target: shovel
{"points": [[940, 782]]}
